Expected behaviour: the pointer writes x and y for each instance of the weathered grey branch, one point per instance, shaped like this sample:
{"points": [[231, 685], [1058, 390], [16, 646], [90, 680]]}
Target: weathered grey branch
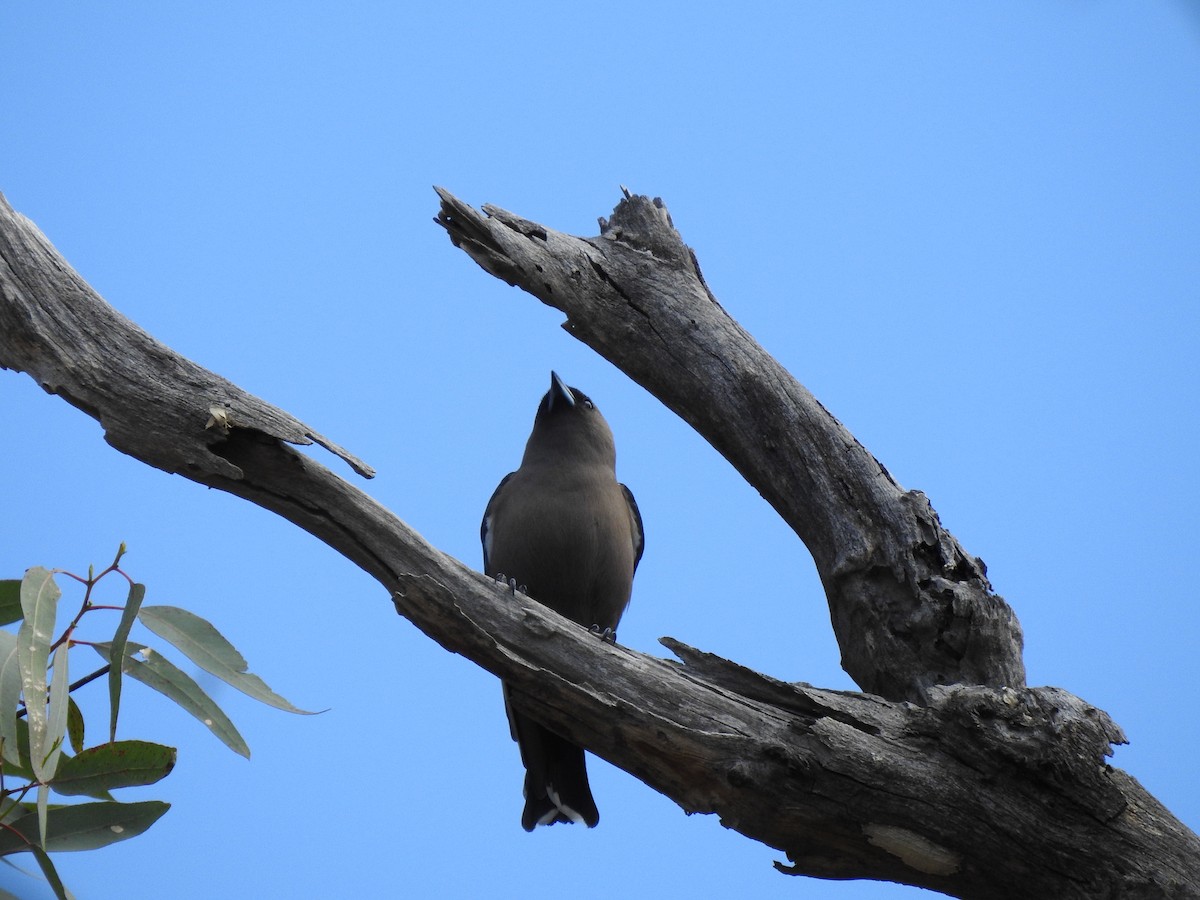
{"points": [[974, 792], [910, 608]]}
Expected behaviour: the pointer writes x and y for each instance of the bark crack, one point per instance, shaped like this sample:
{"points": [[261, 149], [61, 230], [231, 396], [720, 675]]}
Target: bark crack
{"points": [[1009, 781]]}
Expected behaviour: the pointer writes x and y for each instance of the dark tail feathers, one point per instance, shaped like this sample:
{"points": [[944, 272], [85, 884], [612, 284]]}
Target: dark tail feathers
{"points": [[556, 784]]}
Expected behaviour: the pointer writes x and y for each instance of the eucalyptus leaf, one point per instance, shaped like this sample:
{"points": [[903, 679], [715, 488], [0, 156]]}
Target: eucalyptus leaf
{"points": [[39, 602], [159, 673], [98, 770], [50, 873], [199, 641], [10, 692], [75, 726], [56, 722], [21, 769], [12, 838], [43, 813], [133, 603], [10, 809], [84, 826], [10, 601]]}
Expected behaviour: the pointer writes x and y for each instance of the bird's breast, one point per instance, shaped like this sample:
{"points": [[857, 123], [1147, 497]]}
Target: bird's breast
{"points": [[569, 542]]}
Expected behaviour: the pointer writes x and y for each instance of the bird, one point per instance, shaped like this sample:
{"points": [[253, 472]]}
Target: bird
{"points": [[570, 535]]}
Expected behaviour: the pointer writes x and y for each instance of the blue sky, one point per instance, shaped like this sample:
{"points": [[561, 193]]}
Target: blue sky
{"points": [[969, 229]]}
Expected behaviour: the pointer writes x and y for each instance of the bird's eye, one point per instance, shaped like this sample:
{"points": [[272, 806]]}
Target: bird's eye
{"points": [[589, 404]]}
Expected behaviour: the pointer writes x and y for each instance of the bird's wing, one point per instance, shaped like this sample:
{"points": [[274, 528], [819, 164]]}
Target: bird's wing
{"points": [[635, 518], [485, 527]]}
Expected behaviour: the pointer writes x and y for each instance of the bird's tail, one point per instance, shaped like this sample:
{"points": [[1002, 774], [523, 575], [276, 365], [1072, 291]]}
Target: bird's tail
{"points": [[556, 783]]}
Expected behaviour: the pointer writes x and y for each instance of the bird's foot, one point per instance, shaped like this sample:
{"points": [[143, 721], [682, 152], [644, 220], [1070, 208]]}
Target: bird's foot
{"points": [[511, 584], [606, 634]]}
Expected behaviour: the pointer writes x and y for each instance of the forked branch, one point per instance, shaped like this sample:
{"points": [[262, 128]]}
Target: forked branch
{"points": [[978, 789]]}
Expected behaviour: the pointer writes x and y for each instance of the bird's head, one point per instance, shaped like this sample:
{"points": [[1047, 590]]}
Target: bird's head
{"points": [[569, 426]]}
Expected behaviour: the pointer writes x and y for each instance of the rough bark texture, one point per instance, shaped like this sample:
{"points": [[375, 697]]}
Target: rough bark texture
{"points": [[978, 788], [910, 608]]}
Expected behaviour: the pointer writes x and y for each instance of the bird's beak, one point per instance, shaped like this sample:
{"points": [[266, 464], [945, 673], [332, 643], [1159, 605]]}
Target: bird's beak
{"points": [[559, 392]]}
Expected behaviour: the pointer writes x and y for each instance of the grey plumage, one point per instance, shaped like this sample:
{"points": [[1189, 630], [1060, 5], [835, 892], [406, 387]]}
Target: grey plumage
{"points": [[564, 528]]}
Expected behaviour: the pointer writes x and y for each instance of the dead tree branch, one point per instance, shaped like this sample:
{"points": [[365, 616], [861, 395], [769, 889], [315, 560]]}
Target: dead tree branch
{"points": [[910, 608], [981, 788]]}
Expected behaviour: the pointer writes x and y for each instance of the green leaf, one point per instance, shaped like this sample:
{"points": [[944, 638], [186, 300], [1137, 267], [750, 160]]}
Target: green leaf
{"points": [[21, 769], [56, 730], [84, 826], [10, 809], [133, 603], [50, 873], [15, 836], [56, 722], [98, 770], [43, 812], [39, 600], [159, 673], [10, 601], [75, 730], [200, 642], [10, 692]]}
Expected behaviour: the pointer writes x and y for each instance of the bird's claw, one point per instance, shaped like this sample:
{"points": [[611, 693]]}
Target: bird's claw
{"points": [[511, 584], [606, 634]]}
